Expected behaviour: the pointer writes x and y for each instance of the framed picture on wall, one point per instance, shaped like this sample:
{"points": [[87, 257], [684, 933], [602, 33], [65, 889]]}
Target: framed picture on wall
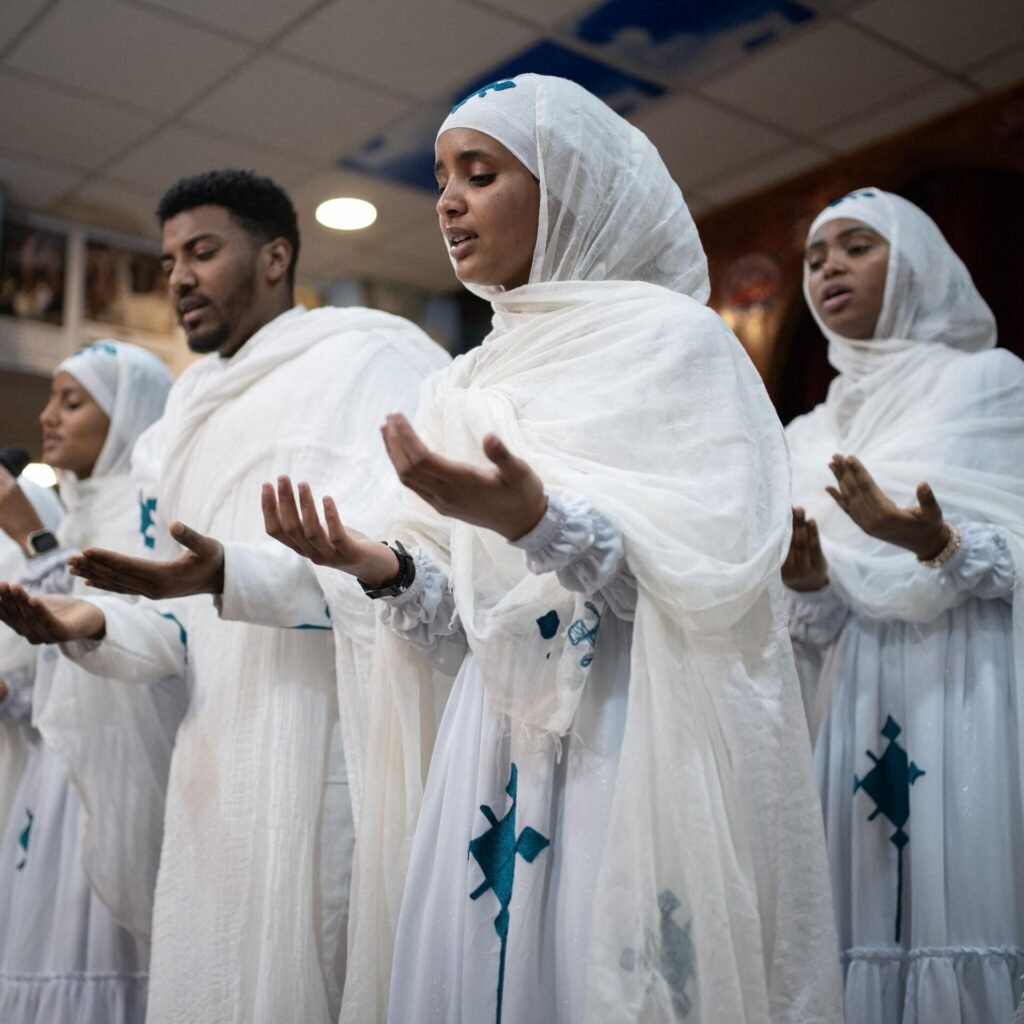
{"points": [[32, 270]]}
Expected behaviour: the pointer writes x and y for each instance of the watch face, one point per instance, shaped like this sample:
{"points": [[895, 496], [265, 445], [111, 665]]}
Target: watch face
{"points": [[42, 542]]}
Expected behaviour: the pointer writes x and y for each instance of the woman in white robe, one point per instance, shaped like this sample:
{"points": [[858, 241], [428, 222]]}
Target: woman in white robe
{"points": [[914, 665], [79, 853], [619, 820]]}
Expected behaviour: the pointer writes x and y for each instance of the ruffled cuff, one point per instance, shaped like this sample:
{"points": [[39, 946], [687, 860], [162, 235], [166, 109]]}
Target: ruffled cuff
{"points": [[48, 573], [983, 565], [17, 704], [575, 541], [815, 616], [425, 612]]}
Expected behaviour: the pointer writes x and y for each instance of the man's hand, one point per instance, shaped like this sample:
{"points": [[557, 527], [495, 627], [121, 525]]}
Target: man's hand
{"points": [[330, 543], [18, 517], [199, 570], [920, 529], [507, 497], [52, 619], [805, 568]]}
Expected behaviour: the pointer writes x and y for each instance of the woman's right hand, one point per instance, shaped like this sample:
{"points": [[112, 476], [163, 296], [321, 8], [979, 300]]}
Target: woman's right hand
{"points": [[805, 567], [18, 517], [298, 526]]}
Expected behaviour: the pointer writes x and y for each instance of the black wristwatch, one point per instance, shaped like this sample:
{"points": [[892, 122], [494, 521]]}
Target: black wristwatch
{"points": [[402, 580], [40, 541]]}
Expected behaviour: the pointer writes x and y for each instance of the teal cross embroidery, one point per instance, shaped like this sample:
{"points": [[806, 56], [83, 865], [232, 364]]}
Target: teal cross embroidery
{"points": [[23, 840], [483, 91], [888, 784], [579, 633], [670, 954], [495, 851], [147, 506]]}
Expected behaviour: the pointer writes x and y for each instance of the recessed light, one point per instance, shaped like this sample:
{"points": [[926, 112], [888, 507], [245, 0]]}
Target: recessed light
{"points": [[346, 214], [41, 474]]}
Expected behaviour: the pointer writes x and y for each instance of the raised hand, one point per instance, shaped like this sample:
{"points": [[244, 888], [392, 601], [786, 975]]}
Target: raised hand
{"points": [[51, 619], [920, 529], [507, 497], [805, 567], [330, 543], [199, 570], [18, 517]]}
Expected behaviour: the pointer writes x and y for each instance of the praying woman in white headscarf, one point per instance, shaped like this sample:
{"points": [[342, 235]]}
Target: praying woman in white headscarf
{"points": [[619, 821], [904, 602], [79, 853]]}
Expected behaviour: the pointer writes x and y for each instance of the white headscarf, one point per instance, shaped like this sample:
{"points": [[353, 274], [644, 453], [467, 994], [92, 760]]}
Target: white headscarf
{"points": [[610, 376], [131, 386], [593, 212], [929, 294], [928, 399], [114, 738]]}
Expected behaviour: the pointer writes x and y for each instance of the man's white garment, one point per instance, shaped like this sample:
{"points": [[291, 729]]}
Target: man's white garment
{"points": [[249, 923]]}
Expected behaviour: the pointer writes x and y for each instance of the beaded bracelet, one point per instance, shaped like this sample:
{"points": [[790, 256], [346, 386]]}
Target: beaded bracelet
{"points": [[951, 548]]}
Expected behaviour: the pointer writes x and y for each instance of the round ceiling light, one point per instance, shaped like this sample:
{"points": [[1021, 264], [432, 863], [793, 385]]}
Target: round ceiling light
{"points": [[41, 474], [346, 214]]}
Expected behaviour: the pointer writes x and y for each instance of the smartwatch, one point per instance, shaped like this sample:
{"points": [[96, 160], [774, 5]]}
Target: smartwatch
{"points": [[40, 541], [402, 580]]}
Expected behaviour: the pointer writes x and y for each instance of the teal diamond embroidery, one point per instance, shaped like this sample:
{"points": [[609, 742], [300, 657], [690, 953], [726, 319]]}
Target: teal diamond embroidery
{"points": [[23, 839], [670, 954], [888, 784], [495, 851]]}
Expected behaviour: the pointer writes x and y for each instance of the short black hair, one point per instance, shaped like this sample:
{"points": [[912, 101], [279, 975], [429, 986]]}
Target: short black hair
{"points": [[260, 205]]}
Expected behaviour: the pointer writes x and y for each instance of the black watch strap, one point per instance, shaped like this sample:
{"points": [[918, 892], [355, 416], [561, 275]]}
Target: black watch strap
{"points": [[402, 580]]}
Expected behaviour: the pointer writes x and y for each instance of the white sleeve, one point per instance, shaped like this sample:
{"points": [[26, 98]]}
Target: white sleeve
{"points": [[816, 617], [584, 550], [270, 585], [142, 644], [983, 566]]}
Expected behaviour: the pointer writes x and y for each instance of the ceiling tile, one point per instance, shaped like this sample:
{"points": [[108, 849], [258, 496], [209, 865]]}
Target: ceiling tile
{"points": [[297, 109], [761, 174], [32, 184], [544, 13], [1000, 72], [937, 99], [824, 75], [105, 203], [179, 151], [953, 32], [254, 19], [132, 54], [699, 140], [431, 47], [47, 122], [17, 14]]}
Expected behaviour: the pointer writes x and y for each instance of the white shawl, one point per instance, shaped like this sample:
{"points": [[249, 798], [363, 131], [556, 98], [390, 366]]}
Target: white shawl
{"points": [[612, 379], [114, 738], [928, 398]]}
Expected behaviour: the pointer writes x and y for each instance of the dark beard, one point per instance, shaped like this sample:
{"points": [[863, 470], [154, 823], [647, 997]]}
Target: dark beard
{"points": [[212, 340]]}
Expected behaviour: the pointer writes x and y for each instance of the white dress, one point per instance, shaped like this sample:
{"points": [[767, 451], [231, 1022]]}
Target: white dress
{"points": [[63, 957], [495, 917], [916, 757]]}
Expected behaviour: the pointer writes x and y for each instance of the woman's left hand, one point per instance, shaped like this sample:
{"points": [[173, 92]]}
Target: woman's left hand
{"points": [[920, 529], [507, 497]]}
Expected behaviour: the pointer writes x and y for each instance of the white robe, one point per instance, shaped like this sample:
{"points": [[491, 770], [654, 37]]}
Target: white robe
{"points": [[251, 897]]}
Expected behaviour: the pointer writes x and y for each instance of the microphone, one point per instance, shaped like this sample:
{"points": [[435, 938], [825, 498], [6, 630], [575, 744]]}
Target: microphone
{"points": [[14, 459]]}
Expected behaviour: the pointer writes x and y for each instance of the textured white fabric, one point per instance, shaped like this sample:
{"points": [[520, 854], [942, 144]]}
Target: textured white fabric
{"points": [[76, 917], [16, 653], [937, 651], [250, 897], [929, 295], [611, 378], [511, 121], [115, 740]]}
